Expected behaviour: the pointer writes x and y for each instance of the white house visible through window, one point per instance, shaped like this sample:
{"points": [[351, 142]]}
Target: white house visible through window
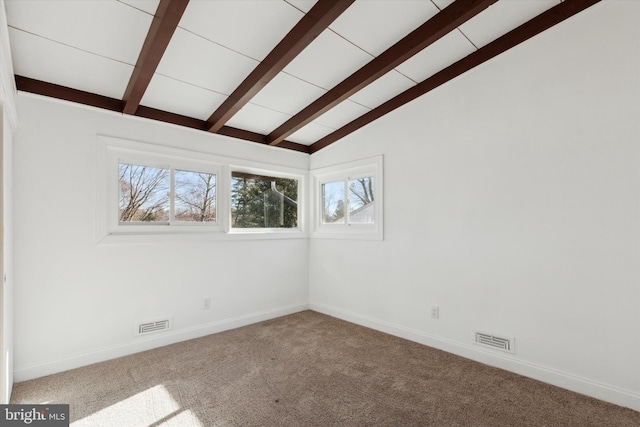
{"points": [[164, 195], [351, 201], [348, 200], [362, 200]]}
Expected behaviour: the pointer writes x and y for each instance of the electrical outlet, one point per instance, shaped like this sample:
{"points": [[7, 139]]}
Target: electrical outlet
{"points": [[435, 312], [206, 303]]}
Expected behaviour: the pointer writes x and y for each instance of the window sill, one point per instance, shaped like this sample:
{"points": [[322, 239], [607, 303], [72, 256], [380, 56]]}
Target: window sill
{"points": [[118, 237]]}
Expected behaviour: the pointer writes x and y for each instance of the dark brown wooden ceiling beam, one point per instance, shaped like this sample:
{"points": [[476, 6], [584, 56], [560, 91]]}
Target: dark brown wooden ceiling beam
{"points": [[438, 26], [323, 13], [162, 27], [190, 122], [260, 138], [26, 84], [513, 38], [39, 87], [173, 118]]}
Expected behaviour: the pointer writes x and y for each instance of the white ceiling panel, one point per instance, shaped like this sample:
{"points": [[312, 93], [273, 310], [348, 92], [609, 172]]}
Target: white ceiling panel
{"points": [[107, 28], [442, 3], [257, 119], [172, 95], [383, 89], [287, 94], [92, 45], [327, 61], [45, 60], [303, 5], [148, 6], [449, 49], [250, 27], [341, 114], [197, 61], [310, 134], [502, 17], [386, 22]]}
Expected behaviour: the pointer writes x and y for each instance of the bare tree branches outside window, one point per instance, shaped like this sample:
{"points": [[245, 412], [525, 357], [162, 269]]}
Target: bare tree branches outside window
{"points": [[143, 193], [362, 191], [195, 196], [360, 198]]}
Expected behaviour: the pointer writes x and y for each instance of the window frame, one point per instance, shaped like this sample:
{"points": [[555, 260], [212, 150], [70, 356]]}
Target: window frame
{"points": [[174, 200], [346, 172], [111, 151], [146, 165], [116, 153], [172, 167], [279, 173]]}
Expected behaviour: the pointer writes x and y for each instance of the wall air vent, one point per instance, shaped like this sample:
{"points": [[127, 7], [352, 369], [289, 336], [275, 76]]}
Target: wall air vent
{"points": [[155, 326], [492, 341]]}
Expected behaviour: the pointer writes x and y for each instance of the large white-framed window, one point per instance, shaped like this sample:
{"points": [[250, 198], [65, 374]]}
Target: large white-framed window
{"points": [[175, 194], [146, 189], [348, 200], [148, 192]]}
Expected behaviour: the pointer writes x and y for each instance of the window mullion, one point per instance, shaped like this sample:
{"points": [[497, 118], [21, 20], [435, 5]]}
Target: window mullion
{"points": [[347, 203], [172, 192]]}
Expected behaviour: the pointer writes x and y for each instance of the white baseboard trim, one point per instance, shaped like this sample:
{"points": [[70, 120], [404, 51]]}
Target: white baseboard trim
{"points": [[557, 378], [24, 373]]}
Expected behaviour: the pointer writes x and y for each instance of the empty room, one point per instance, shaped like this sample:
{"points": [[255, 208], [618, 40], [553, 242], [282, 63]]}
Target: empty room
{"points": [[320, 213]]}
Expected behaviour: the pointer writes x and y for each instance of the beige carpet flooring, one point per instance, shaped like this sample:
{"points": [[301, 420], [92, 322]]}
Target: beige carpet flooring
{"points": [[308, 369]]}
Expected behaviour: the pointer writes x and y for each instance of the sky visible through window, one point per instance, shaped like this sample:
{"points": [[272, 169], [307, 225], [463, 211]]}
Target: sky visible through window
{"points": [[359, 197], [145, 195]]}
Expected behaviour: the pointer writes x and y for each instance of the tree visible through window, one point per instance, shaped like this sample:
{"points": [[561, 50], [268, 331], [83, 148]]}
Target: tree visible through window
{"points": [[143, 193], [333, 202], [146, 195], [263, 202], [361, 198], [358, 194], [195, 196]]}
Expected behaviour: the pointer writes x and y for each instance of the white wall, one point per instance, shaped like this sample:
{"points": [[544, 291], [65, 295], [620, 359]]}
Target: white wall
{"points": [[512, 202], [7, 263], [77, 301], [8, 123]]}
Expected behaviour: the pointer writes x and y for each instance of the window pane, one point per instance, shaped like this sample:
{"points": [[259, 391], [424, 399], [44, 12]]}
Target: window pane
{"points": [[361, 201], [263, 202], [143, 194], [333, 202], [195, 196]]}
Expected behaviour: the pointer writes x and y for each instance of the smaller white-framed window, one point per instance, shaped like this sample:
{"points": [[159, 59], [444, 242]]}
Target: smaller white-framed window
{"points": [[348, 200], [266, 201]]}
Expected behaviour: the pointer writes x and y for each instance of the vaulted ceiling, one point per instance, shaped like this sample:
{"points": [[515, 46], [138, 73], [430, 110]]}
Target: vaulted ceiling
{"points": [[298, 74]]}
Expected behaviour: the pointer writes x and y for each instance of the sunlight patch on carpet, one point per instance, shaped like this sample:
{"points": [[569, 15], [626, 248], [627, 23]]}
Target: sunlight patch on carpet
{"points": [[149, 408]]}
